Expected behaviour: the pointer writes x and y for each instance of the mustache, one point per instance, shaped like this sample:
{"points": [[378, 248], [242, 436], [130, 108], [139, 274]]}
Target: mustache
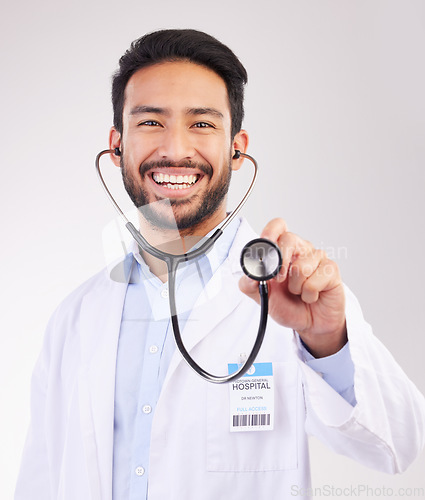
{"points": [[203, 167]]}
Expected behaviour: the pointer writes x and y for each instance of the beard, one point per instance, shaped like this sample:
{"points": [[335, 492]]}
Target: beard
{"points": [[187, 213]]}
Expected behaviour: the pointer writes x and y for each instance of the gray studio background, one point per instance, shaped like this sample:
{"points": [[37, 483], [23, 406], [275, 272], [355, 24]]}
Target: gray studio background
{"points": [[335, 108]]}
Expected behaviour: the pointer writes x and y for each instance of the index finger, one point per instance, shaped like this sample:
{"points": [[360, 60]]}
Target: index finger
{"points": [[274, 229]]}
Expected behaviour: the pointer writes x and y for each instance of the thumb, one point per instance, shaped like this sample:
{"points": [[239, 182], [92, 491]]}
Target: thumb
{"points": [[249, 287]]}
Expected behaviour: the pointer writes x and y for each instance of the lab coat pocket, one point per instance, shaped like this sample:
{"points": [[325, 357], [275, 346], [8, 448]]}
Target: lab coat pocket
{"points": [[254, 450]]}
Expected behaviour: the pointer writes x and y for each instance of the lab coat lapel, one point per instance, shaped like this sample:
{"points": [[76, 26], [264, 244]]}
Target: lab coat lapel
{"points": [[101, 313]]}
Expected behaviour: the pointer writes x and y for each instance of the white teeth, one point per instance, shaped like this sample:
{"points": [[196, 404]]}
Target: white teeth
{"points": [[175, 181], [177, 186]]}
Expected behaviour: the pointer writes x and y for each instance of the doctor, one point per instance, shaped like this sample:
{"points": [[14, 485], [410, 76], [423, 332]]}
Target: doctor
{"points": [[116, 412]]}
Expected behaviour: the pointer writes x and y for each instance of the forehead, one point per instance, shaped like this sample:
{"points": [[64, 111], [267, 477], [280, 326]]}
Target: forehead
{"points": [[176, 85]]}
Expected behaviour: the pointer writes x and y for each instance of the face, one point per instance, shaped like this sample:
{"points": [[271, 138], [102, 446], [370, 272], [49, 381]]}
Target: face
{"points": [[176, 145]]}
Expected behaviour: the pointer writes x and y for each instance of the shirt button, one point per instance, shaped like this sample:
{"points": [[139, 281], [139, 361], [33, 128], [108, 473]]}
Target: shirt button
{"points": [[140, 471], [164, 293], [153, 349], [147, 409]]}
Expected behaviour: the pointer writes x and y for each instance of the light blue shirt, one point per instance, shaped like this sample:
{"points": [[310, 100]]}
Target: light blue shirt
{"points": [[146, 346], [337, 370]]}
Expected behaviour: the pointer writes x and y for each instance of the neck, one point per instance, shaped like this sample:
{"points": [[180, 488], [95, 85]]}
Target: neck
{"points": [[173, 241]]}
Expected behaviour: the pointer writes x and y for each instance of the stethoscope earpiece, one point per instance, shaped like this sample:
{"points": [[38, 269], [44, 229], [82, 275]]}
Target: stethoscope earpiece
{"points": [[117, 152], [261, 259], [237, 154]]}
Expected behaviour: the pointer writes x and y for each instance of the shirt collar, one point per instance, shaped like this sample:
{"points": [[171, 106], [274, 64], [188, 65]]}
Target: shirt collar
{"points": [[215, 257]]}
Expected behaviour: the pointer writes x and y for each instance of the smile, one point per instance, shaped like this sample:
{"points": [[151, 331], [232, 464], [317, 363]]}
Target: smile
{"points": [[175, 181]]}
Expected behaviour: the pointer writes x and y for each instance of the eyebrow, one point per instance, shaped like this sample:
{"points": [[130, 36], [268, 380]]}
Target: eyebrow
{"points": [[204, 111], [138, 110]]}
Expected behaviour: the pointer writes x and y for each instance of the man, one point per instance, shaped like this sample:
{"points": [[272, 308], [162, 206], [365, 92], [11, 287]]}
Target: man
{"points": [[116, 413]]}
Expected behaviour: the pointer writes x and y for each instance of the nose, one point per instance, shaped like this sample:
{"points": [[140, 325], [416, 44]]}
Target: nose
{"points": [[176, 145]]}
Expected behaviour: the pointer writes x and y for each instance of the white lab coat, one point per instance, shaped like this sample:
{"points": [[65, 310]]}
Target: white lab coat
{"points": [[193, 456]]}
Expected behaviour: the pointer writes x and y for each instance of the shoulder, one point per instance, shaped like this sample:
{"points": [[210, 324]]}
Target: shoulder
{"points": [[96, 296], [96, 284]]}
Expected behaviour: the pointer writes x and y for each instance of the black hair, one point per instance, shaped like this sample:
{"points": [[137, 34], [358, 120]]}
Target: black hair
{"points": [[181, 45]]}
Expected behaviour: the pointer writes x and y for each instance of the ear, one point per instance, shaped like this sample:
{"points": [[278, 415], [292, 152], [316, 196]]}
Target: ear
{"points": [[240, 142], [115, 142]]}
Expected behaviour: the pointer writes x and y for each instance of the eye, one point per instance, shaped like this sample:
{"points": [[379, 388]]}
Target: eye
{"points": [[149, 123], [203, 125]]}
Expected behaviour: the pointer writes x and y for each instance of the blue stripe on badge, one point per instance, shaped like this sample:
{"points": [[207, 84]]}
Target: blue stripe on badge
{"points": [[257, 370]]}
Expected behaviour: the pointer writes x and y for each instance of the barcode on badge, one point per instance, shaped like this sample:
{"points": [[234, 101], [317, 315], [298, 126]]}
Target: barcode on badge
{"points": [[251, 420]]}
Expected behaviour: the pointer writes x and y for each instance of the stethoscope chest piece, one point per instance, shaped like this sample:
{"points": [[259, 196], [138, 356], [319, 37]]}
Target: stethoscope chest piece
{"points": [[261, 259]]}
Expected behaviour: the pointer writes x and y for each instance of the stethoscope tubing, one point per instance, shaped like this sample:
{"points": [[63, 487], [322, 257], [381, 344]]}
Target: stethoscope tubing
{"points": [[217, 379], [172, 261]]}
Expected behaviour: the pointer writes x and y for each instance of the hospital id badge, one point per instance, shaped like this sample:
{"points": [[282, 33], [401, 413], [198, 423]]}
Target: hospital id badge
{"points": [[252, 399]]}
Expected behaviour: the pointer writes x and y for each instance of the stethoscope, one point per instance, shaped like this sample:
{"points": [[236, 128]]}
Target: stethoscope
{"points": [[260, 260]]}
